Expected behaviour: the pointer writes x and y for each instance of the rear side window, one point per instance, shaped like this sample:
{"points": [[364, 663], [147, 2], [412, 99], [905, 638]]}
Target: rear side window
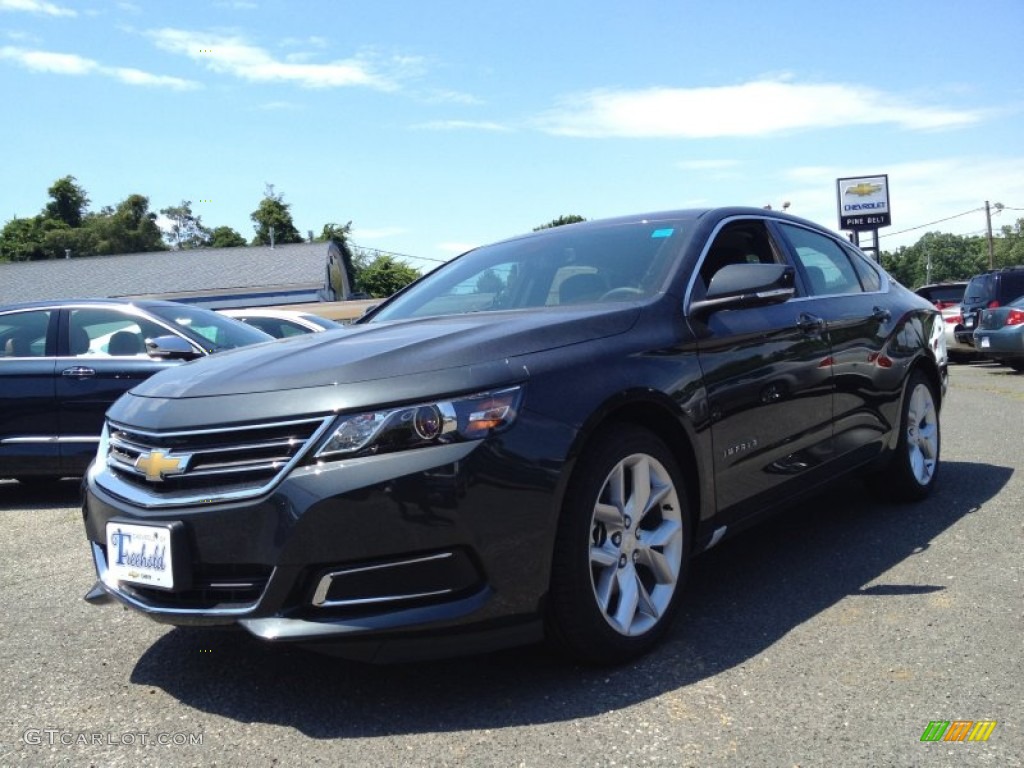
{"points": [[866, 272], [1012, 286], [826, 266]]}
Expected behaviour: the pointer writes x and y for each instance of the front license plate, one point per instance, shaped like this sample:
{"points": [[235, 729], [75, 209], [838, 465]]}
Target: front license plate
{"points": [[985, 342], [140, 554]]}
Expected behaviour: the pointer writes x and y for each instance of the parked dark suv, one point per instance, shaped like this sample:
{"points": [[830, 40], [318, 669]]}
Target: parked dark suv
{"points": [[988, 291]]}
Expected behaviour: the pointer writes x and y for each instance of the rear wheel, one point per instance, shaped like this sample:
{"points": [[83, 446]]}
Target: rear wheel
{"points": [[622, 549], [911, 474]]}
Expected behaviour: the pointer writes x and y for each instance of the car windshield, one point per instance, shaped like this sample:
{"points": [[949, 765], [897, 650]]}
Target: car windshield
{"points": [[551, 268], [209, 327]]}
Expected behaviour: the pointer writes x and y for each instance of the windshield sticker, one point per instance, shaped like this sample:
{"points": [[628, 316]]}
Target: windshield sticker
{"points": [[663, 232]]}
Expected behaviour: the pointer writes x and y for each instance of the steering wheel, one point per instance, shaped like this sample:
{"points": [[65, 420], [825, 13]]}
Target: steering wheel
{"points": [[618, 294]]}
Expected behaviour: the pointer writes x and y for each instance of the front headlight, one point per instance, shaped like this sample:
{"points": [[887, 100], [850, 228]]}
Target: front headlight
{"points": [[402, 428]]}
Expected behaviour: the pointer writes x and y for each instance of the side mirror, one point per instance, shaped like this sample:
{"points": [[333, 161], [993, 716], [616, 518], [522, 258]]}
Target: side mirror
{"points": [[171, 348], [741, 286]]}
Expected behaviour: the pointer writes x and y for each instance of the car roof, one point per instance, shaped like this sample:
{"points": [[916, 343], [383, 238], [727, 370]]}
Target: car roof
{"points": [[60, 303]]}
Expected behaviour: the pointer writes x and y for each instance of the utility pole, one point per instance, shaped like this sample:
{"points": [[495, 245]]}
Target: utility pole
{"points": [[991, 245]]}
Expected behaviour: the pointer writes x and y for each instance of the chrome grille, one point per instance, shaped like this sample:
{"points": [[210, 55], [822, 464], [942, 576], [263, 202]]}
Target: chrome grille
{"points": [[203, 465]]}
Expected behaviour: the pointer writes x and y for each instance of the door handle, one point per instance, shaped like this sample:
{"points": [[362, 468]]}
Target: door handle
{"points": [[810, 323], [78, 372], [882, 314]]}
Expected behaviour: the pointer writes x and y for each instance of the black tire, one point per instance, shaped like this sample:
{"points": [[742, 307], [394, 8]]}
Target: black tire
{"points": [[914, 467], [1017, 365], [616, 582]]}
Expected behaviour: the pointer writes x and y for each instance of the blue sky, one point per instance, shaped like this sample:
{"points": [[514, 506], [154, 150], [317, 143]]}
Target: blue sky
{"points": [[435, 126]]}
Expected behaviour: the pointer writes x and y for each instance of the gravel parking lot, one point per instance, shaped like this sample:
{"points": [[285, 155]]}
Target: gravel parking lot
{"points": [[832, 635]]}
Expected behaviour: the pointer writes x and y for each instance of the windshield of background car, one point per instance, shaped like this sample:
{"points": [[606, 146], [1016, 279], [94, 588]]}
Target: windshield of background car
{"points": [[209, 327], [555, 267]]}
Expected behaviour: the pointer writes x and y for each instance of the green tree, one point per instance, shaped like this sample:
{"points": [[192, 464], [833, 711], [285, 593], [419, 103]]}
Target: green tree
{"points": [[129, 228], [22, 239], [69, 202], [187, 230], [225, 237], [385, 275], [572, 218], [339, 232], [273, 213], [937, 257], [1008, 247]]}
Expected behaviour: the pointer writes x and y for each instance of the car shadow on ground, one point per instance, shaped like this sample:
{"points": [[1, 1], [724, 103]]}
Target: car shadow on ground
{"points": [[44, 495], [741, 598]]}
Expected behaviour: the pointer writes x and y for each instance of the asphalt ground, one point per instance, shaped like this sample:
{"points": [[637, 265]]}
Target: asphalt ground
{"points": [[832, 635]]}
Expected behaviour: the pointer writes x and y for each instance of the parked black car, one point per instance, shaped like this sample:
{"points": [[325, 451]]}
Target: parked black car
{"points": [[532, 440], [988, 291], [62, 364]]}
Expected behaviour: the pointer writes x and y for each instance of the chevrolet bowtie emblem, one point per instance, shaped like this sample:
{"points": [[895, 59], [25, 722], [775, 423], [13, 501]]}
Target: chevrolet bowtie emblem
{"points": [[863, 189], [157, 465]]}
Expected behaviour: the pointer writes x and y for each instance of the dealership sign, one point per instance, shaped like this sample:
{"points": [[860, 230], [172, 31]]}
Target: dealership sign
{"points": [[864, 202]]}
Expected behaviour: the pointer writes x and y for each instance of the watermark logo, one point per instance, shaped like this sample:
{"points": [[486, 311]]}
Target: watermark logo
{"points": [[958, 730]]}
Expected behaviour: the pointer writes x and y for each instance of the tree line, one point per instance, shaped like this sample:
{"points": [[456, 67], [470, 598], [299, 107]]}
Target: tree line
{"points": [[66, 227]]}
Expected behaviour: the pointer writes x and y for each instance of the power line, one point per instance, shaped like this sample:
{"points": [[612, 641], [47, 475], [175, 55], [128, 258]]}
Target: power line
{"points": [[939, 221], [949, 218]]}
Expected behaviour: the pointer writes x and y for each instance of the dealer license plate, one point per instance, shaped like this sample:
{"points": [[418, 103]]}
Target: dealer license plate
{"points": [[140, 554], [985, 341]]}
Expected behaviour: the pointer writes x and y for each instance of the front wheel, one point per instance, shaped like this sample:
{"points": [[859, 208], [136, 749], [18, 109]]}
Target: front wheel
{"points": [[912, 471], [622, 549]]}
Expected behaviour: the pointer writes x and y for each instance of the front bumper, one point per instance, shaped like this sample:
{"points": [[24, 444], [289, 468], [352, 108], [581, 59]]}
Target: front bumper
{"points": [[440, 550]]}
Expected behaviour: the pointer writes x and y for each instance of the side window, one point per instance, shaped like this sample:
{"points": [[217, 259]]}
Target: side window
{"points": [[23, 334], [826, 267], [105, 332], [867, 273], [738, 242]]}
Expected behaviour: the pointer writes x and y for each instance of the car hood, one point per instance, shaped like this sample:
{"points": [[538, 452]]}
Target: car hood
{"points": [[378, 351]]}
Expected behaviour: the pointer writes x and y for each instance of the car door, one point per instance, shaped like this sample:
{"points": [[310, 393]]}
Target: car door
{"points": [[28, 417], [768, 380], [862, 333], [101, 356]]}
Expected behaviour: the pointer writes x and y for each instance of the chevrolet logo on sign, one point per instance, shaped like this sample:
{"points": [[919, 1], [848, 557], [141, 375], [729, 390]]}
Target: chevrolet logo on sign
{"points": [[157, 465], [863, 189]]}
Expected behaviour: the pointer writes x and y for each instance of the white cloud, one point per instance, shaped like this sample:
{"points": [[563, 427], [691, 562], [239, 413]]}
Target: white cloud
{"points": [[138, 77], [36, 6], [47, 61], [463, 125], [73, 64], [232, 55], [751, 109]]}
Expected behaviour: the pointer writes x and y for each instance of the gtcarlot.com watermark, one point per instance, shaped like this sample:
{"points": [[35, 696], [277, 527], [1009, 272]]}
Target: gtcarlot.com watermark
{"points": [[52, 737]]}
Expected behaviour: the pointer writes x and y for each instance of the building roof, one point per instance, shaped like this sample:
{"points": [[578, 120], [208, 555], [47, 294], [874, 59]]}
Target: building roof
{"points": [[297, 267]]}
